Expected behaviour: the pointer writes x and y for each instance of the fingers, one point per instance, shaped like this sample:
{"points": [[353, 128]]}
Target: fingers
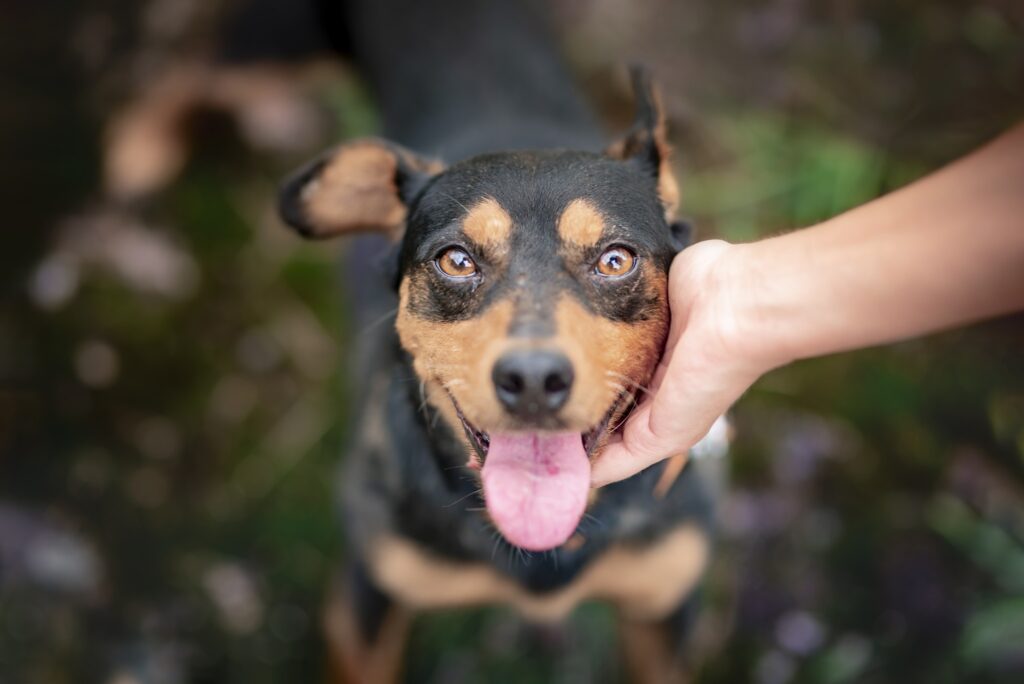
{"points": [[617, 463], [635, 449], [689, 395]]}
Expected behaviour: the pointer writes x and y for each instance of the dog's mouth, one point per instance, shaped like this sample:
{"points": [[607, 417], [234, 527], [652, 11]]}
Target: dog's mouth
{"points": [[536, 484]]}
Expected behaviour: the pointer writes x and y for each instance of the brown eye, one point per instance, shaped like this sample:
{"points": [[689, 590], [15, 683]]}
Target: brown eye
{"points": [[617, 261], [456, 263]]}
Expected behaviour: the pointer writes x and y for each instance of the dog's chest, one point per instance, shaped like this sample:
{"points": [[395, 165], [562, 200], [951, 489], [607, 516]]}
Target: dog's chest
{"points": [[645, 582]]}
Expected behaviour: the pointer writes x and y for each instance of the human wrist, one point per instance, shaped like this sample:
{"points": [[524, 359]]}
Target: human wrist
{"points": [[766, 287]]}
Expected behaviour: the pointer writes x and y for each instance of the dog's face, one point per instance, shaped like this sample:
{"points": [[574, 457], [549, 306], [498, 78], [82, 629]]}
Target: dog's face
{"points": [[532, 299]]}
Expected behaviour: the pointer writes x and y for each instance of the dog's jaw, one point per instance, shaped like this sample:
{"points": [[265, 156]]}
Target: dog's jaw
{"points": [[536, 484]]}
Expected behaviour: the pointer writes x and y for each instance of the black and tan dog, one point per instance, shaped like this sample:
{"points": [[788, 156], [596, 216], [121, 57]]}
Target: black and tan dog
{"points": [[529, 274]]}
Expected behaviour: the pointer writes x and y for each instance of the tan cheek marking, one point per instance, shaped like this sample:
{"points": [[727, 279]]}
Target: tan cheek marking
{"points": [[581, 223], [456, 357], [488, 224], [602, 351], [646, 583]]}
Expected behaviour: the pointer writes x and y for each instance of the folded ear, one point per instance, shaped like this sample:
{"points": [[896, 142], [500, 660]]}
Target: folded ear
{"points": [[646, 143], [363, 185]]}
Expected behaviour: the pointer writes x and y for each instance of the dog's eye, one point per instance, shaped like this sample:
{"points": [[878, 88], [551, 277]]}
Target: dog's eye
{"points": [[456, 263], [617, 261]]}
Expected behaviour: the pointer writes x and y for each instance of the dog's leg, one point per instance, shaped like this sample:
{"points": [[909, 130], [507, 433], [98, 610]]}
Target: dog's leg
{"points": [[365, 632], [654, 650]]}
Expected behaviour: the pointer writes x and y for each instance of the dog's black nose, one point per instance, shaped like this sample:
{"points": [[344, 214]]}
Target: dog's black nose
{"points": [[532, 383]]}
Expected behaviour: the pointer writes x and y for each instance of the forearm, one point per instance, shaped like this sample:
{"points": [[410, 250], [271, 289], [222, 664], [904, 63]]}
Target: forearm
{"points": [[944, 251]]}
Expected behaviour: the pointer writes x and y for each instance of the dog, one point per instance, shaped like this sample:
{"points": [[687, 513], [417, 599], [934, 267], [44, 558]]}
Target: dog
{"points": [[525, 263]]}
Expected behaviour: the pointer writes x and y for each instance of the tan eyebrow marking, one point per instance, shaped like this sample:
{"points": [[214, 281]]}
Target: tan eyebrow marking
{"points": [[581, 223], [487, 223]]}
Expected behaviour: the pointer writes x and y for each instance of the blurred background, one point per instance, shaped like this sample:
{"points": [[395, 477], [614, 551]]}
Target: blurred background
{"points": [[172, 394]]}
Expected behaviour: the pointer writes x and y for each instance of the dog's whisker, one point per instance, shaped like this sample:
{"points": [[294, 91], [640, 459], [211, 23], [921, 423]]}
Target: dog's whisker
{"points": [[626, 379], [523, 556], [617, 386], [630, 381], [453, 199], [622, 421], [497, 543], [423, 398], [369, 327], [628, 402], [552, 555], [463, 498]]}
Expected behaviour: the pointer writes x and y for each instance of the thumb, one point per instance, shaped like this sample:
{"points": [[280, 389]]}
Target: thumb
{"points": [[629, 451]]}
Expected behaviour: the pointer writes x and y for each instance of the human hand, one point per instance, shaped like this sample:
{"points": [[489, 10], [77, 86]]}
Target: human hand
{"points": [[708, 363], [895, 268]]}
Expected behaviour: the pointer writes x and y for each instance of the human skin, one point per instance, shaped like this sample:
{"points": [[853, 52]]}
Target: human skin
{"points": [[944, 251]]}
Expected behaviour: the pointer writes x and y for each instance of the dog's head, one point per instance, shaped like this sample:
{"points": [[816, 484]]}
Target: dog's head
{"points": [[532, 290]]}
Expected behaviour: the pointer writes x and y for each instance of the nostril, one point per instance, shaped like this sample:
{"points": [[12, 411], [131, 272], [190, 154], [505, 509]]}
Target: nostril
{"points": [[555, 383], [511, 382]]}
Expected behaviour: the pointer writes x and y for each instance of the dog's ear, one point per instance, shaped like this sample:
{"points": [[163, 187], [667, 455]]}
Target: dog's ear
{"points": [[646, 143], [681, 233], [363, 185]]}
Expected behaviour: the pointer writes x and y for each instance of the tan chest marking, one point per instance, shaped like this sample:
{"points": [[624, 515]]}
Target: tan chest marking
{"points": [[646, 583]]}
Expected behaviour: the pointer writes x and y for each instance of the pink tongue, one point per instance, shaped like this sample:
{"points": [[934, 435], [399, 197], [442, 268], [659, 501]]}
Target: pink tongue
{"points": [[536, 487]]}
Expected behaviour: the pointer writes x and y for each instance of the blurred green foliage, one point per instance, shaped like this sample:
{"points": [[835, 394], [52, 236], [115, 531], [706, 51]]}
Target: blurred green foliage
{"points": [[780, 172]]}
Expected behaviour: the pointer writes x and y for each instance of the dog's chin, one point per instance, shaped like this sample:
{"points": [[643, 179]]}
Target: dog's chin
{"points": [[537, 482]]}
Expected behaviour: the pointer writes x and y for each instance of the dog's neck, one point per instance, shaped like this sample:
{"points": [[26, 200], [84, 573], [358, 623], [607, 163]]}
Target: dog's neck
{"points": [[455, 78]]}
